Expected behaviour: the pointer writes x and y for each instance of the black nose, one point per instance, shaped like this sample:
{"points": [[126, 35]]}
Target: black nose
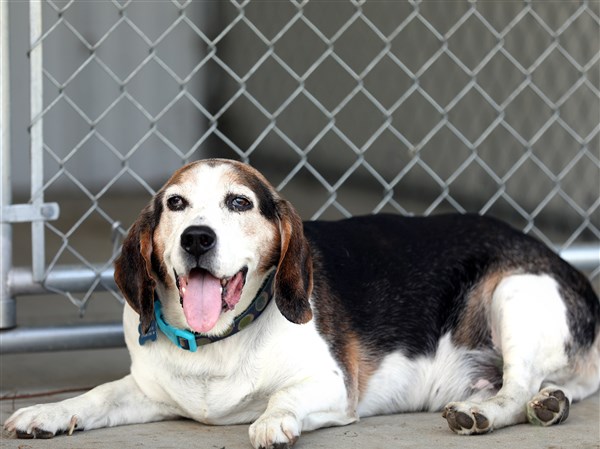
{"points": [[197, 240]]}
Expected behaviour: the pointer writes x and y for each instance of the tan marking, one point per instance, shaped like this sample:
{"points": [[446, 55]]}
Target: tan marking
{"points": [[182, 175], [159, 251], [243, 173], [185, 174], [360, 366], [475, 317], [270, 255], [356, 362]]}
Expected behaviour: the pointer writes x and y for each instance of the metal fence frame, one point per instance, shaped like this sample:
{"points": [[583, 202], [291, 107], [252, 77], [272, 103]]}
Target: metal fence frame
{"points": [[17, 281]]}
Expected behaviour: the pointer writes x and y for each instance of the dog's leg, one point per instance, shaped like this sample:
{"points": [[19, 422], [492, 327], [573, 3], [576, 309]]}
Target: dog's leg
{"points": [[529, 328], [110, 404], [308, 405]]}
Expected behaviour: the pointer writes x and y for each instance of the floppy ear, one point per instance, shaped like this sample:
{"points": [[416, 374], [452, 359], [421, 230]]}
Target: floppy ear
{"points": [[133, 268], [294, 277]]}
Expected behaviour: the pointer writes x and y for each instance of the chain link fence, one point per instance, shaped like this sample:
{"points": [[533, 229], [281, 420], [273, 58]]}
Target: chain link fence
{"points": [[348, 107]]}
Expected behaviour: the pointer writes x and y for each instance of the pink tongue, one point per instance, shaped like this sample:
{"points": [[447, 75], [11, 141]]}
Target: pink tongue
{"points": [[202, 301]]}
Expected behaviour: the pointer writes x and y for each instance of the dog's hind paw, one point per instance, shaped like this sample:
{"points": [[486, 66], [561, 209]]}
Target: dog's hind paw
{"points": [[550, 406], [466, 420]]}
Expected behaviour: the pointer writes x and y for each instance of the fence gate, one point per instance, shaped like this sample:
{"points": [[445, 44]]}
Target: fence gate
{"points": [[348, 107]]}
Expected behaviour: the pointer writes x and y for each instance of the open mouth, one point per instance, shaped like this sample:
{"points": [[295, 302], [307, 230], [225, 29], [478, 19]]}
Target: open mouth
{"points": [[204, 296]]}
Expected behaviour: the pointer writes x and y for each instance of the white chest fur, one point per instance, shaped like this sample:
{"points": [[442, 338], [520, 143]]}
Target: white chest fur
{"points": [[231, 381]]}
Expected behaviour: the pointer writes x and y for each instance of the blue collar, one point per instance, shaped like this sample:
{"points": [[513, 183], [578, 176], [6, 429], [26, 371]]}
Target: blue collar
{"points": [[190, 341]]}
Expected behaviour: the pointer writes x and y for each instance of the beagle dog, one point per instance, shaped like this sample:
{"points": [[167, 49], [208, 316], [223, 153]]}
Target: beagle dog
{"points": [[237, 312]]}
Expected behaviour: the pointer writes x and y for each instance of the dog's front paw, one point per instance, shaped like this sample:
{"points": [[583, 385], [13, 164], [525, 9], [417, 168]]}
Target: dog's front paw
{"points": [[275, 430], [40, 421]]}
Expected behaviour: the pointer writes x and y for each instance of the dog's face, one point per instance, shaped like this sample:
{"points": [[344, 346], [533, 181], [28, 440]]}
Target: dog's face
{"points": [[208, 239]]}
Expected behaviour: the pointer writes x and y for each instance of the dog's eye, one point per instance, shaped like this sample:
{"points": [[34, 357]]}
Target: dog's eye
{"points": [[238, 203], [176, 203]]}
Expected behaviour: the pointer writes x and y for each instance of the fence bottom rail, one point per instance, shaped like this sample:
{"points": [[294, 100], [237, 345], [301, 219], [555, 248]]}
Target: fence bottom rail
{"points": [[61, 338]]}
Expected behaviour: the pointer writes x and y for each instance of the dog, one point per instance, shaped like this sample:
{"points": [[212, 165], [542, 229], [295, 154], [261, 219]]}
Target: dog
{"points": [[238, 312]]}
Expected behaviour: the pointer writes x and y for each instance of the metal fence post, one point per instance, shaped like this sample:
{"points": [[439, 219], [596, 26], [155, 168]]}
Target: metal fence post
{"points": [[38, 256], [8, 317]]}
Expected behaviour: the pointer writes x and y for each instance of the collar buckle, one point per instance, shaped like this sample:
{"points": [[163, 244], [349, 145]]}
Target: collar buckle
{"points": [[182, 338]]}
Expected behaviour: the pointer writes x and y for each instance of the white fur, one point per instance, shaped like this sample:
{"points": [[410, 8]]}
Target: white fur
{"points": [[426, 383], [244, 365], [532, 348]]}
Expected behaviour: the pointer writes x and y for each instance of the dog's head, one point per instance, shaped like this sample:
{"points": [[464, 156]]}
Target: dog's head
{"points": [[207, 241]]}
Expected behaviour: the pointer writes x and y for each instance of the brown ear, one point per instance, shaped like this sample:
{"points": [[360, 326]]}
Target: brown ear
{"points": [[133, 268], [294, 277]]}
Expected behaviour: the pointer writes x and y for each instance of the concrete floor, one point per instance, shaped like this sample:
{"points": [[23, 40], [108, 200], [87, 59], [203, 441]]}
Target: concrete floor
{"points": [[44, 372]]}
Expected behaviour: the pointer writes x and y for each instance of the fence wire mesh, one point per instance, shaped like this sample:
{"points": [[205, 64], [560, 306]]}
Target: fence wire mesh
{"points": [[348, 107]]}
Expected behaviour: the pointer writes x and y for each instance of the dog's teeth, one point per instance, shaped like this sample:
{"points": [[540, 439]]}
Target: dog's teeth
{"points": [[182, 289], [223, 282]]}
